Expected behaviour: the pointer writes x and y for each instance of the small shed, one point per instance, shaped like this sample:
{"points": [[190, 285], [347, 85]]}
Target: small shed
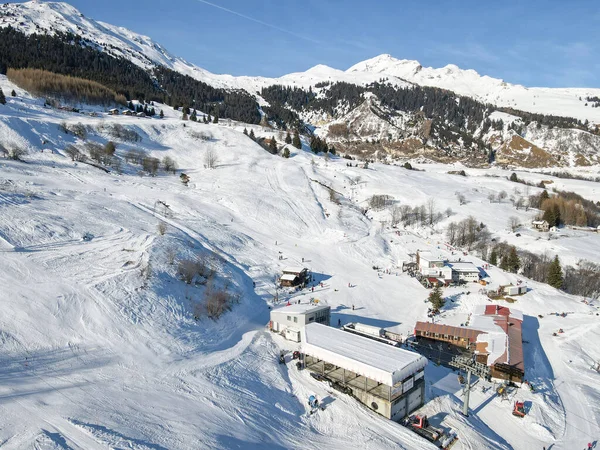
{"points": [[516, 290], [113, 112]]}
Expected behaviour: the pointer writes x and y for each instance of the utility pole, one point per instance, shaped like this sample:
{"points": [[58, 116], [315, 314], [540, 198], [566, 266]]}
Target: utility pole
{"points": [[469, 365], [467, 392]]}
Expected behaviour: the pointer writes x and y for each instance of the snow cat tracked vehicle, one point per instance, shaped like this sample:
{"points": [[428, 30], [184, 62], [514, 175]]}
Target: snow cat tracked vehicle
{"points": [[419, 423], [519, 409]]}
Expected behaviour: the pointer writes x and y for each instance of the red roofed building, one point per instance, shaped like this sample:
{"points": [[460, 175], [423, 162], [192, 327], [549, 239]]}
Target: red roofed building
{"points": [[494, 336]]}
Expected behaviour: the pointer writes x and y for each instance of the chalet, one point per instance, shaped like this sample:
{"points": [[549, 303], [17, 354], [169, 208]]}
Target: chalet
{"points": [[294, 276], [459, 336], [540, 225], [113, 112], [128, 112], [141, 114], [494, 336], [464, 272]]}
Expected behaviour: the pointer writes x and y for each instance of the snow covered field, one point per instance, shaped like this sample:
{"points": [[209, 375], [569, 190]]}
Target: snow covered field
{"points": [[99, 345]]}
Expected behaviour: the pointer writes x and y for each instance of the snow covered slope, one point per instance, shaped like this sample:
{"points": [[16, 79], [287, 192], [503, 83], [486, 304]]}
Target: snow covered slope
{"points": [[51, 17], [568, 102], [100, 348], [54, 17]]}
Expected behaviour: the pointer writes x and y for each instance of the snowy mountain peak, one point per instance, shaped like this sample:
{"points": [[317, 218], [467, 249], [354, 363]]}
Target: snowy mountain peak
{"points": [[58, 17], [386, 63]]}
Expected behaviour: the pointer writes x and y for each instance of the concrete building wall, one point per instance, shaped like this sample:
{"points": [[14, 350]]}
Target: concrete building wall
{"points": [[398, 408]]}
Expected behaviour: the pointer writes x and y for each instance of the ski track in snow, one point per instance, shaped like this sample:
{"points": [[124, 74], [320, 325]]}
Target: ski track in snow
{"points": [[115, 360]]}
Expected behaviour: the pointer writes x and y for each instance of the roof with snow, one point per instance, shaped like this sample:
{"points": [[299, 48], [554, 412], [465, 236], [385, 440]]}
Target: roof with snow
{"points": [[288, 277], [294, 270], [300, 308], [379, 362], [464, 267], [502, 332], [428, 256]]}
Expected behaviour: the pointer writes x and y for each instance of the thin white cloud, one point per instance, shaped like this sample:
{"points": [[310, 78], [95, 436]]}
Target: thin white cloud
{"points": [[260, 22]]}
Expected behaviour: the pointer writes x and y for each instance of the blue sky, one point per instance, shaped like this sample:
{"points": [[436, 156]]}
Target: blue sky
{"points": [[531, 42]]}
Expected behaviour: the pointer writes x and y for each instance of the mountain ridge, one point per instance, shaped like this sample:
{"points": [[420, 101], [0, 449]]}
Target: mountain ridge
{"points": [[51, 17]]}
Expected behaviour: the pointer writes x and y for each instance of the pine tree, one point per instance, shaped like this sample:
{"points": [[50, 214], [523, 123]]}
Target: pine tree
{"points": [[288, 138], [194, 117], [494, 257], [513, 260], [273, 145], [296, 141], [2, 98], [184, 116], [13, 93], [555, 274], [162, 114], [186, 110], [207, 118], [245, 131], [504, 262], [216, 118], [286, 153], [513, 177], [252, 135], [130, 105], [436, 298]]}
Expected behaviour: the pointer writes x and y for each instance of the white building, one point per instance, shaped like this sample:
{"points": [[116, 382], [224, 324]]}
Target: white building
{"points": [[387, 379], [427, 261], [540, 225], [464, 271], [290, 320], [516, 290]]}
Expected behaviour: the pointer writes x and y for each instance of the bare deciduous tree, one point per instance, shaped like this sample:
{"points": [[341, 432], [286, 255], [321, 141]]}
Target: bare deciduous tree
{"points": [[210, 159], [74, 153], [431, 215], [16, 153], [514, 223], [462, 200], [169, 164], [171, 254], [378, 202], [396, 216], [150, 165]]}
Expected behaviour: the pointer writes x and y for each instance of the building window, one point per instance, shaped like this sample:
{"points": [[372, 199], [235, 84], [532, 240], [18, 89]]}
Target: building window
{"points": [[289, 318], [295, 320], [310, 319]]}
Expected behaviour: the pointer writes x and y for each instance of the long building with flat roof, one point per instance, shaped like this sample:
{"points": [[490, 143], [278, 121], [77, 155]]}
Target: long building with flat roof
{"points": [[387, 379]]}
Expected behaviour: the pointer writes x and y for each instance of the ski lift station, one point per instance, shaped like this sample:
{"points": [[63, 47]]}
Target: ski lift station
{"points": [[291, 319], [387, 379]]}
